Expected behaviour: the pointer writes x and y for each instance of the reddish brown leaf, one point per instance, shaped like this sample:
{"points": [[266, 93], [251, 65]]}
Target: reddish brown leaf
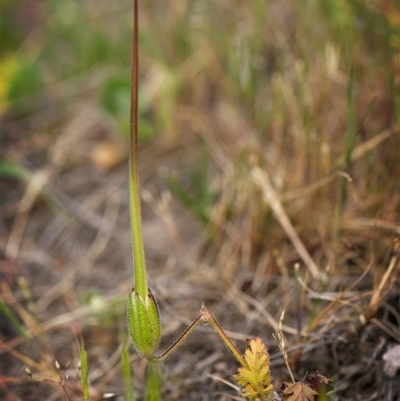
{"points": [[321, 384]]}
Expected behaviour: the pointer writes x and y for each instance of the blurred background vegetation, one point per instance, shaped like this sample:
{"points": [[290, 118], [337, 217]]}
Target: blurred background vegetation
{"points": [[306, 91]]}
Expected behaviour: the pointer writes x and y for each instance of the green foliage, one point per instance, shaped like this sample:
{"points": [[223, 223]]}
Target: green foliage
{"points": [[77, 50], [8, 313], [198, 197], [153, 383], [115, 98], [11, 170], [351, 130], [127, 373], [84, 371], [26, 80]]}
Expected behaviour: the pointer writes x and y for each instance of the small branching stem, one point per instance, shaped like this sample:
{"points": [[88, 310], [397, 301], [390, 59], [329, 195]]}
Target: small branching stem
{"points": [[207, 318], [282, 346], [182, 338]]}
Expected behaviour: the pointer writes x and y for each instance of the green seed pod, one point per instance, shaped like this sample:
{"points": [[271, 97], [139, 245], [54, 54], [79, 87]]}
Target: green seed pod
{"points": [[144, 323]]}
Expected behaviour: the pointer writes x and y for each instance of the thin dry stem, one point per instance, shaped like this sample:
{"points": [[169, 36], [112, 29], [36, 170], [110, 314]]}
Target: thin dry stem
{"points": [[282, 346], [262, 179], [384, 286]]}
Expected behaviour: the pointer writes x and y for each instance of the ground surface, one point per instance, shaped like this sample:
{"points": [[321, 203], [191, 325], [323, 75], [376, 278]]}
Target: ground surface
{"points": [[269, 181]]}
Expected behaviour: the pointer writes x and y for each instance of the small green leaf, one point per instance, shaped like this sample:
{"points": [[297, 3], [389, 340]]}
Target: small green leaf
{"points": [[144, 323]]}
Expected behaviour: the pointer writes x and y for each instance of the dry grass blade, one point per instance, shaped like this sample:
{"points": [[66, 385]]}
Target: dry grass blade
{"points": [[261, 178], [35, 186], [385, 284], [373, 142], [282, 346]]}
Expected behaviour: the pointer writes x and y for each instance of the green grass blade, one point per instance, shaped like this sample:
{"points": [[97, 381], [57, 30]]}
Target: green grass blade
{"points": [[351, 136], [351, 130], [127, 373], [84, 371], [6, 311]]}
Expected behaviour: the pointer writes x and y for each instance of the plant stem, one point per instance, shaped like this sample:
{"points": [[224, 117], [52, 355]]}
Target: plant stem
{"points": [[206, 317], [134, 188], [182, 338]]}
